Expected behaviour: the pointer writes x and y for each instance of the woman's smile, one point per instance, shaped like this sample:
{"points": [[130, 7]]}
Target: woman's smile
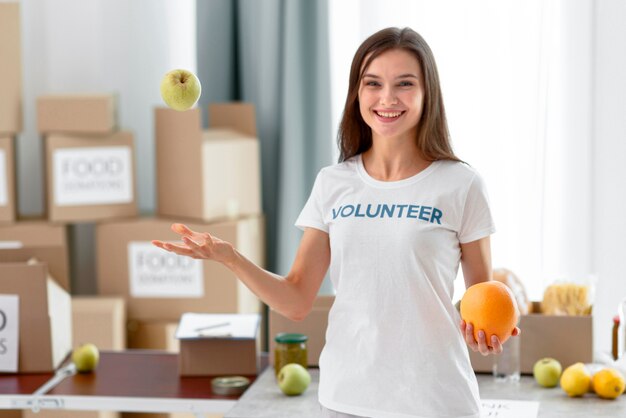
{"points": [[388, 116]]}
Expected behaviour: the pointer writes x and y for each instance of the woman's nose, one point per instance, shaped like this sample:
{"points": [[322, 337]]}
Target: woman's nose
{"points": [[388, 97]]}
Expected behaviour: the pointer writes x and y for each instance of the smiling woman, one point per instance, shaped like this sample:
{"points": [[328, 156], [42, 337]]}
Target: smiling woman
{"points": [[391, 262]]}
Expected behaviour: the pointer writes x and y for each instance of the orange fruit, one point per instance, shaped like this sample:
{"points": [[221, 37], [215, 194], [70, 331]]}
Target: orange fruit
{"points": [[490, 306], [608, 383]]}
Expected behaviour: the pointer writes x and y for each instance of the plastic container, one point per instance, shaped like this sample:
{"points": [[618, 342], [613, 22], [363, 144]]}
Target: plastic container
{"points": [[506, 365], [290, 348]]}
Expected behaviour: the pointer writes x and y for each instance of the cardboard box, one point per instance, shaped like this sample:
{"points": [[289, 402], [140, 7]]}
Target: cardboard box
{"points": [[77, 113], [7, 179], [153, 335], [313, 326], [90, 180], [569, 339], [10, 68], [99, 320], [159, 285], [45, 311], [37, 239], [232, 348], [219, 168]]}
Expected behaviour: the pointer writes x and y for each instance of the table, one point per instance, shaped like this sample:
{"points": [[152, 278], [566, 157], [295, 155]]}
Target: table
{"points": [[128, 381], [264, 399]]}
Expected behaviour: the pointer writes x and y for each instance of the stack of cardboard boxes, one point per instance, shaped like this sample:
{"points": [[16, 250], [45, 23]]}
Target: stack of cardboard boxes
{"points": [[209, 180], [89, 164]]}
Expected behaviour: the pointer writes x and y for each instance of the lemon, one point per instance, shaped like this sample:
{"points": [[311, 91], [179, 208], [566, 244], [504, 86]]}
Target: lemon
{"points": [[575, 380], [608, 383]]}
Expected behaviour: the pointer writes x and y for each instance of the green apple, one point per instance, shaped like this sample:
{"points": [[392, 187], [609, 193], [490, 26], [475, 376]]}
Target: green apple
{"points": [[293, 379], [547, 372], [180, 89], [86, 357]]}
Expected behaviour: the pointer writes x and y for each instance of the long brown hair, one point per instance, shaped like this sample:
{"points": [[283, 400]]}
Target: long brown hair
{"points": [[433, 137]]}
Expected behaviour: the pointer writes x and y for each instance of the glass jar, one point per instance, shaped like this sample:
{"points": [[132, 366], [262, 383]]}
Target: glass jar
{"points": [[290, 348]]}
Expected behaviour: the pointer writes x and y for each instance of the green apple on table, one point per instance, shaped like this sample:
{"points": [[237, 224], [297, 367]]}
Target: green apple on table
{"points": [[547, 372], [86, 357], [180, 89], [293, 379]]}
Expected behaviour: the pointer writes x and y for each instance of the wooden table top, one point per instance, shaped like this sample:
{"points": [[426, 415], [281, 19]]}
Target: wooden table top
{"points": [[22, 384], [131, 373]]}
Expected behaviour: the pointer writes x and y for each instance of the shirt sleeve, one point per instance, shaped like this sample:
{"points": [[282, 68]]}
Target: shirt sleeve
{"points": [[312, 214], [477, 221]]}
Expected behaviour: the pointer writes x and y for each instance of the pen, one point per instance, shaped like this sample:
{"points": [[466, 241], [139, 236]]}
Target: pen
{"points": [[221, 324]]}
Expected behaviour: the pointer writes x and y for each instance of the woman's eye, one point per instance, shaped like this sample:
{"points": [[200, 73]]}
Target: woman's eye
{"points": [[405, 84], [372, 83]]}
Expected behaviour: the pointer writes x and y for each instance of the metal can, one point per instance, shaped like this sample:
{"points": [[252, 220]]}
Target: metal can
{"points": [[290, 348]]}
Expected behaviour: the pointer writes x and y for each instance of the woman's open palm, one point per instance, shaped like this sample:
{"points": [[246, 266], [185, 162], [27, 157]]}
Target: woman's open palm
{"points": [[198, 245]]}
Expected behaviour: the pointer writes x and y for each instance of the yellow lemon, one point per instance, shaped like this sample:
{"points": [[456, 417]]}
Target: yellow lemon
{"points": [[576, 380], [608, 383]]}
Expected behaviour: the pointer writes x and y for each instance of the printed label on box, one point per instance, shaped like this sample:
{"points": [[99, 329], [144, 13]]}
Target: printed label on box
{"points": [[10, 245], [155, 273], [9, 332], [92, 176], [4, 179]]}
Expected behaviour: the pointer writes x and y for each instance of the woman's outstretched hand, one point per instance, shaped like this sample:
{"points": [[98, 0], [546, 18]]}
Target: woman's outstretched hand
{"points": [[198, 245], [481, 345]]}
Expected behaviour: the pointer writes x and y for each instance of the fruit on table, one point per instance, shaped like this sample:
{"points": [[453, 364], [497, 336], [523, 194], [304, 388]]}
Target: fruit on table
{"points": [[490, 306], [293, 379], [547, 372], [576, 380], [608, 383], [86, 357], [180, 89]]}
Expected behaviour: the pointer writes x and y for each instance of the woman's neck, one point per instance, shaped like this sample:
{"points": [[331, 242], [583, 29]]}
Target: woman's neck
{"points": [[393, 161]]}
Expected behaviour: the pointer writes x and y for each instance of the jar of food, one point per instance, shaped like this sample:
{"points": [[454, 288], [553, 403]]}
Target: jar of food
{"points": [[290, 348]]}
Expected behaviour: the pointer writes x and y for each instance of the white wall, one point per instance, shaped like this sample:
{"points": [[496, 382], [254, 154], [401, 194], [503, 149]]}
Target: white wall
{"points": [[609, 173]]}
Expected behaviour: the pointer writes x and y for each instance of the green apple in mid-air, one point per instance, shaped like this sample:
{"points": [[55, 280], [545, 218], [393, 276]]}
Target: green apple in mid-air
{"points": [[547, 372], [180, 89], [86, 357], [293, 379]]}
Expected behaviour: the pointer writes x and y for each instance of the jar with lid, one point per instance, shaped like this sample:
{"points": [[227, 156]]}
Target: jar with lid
{"points": [[290, 348]]}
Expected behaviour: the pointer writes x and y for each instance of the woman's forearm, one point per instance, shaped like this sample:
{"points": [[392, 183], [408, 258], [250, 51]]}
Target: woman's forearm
{"points": [[281, 293]]}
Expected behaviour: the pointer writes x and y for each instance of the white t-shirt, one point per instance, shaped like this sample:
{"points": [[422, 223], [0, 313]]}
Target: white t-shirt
{"points": [[393, 344]]}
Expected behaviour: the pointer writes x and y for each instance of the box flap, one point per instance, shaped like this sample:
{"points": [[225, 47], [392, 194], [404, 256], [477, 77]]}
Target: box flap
{"points": [[195, 326], [238, 116], [178, 161], [60, 312], [54, 256]]}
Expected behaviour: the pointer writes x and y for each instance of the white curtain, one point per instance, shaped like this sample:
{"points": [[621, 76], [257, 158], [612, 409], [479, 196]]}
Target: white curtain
{"points": [[516, 79]]}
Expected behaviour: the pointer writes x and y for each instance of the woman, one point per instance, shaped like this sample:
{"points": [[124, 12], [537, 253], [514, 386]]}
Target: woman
{"points": [[393, 220]]}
